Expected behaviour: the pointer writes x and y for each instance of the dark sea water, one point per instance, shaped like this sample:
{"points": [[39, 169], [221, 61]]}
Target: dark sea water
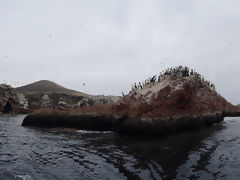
{"points": [[33, 153]]}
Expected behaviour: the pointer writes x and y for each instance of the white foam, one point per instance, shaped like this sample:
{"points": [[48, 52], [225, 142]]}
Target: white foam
{"points": [[93, 132], [24, 177]]}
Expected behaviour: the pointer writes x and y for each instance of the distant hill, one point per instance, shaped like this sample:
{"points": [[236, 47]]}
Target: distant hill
{"points": [[47, 87]]}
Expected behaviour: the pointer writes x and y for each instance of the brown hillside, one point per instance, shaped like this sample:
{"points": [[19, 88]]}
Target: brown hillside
{"points": [[47, 87]]}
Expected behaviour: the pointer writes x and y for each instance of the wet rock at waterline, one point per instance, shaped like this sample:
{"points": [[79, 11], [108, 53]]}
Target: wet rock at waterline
{"points": [[122, 125]]}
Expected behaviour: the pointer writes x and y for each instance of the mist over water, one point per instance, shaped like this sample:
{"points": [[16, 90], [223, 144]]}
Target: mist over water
{"points": [[34, 153]]}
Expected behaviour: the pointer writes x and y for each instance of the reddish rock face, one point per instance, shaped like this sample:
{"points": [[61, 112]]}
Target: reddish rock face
{"points": [[171, 97]]}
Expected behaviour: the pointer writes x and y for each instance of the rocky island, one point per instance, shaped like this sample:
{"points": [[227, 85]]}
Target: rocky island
{"points": [[177, 99]]}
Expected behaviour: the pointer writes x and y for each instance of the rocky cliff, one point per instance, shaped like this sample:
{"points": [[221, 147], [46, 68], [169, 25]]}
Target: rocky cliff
{"points": [[8, 99], [174, 93]]}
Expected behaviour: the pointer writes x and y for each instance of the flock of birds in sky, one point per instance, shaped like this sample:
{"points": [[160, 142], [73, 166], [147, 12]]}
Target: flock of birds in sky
{"points": [[50, 35], [13, 83]]}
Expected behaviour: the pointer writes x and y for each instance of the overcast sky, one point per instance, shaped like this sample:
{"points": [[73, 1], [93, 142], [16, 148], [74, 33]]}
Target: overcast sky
{"points": [[109, 44]]}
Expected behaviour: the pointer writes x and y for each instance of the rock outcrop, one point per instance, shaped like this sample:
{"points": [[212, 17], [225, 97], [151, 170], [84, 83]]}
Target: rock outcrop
{"points": [[23, 103], [8, 99], [176, 100], [173, 95], [123, 124]]}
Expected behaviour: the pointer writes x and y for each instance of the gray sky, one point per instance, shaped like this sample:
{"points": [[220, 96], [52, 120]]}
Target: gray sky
{"points": [[109, 44]]}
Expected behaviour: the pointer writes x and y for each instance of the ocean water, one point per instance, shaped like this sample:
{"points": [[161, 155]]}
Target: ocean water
{"points": [[34, 153]]}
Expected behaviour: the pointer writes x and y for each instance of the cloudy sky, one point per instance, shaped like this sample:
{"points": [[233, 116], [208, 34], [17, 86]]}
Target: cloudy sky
{"points": [[109, 44]]}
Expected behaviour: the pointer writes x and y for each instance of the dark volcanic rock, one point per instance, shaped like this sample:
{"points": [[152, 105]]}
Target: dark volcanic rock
{"points": [[80, 121], [122, 125]]}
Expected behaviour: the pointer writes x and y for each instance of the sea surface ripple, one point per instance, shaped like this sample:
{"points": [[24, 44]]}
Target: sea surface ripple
{"points": [[38, 153]]}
